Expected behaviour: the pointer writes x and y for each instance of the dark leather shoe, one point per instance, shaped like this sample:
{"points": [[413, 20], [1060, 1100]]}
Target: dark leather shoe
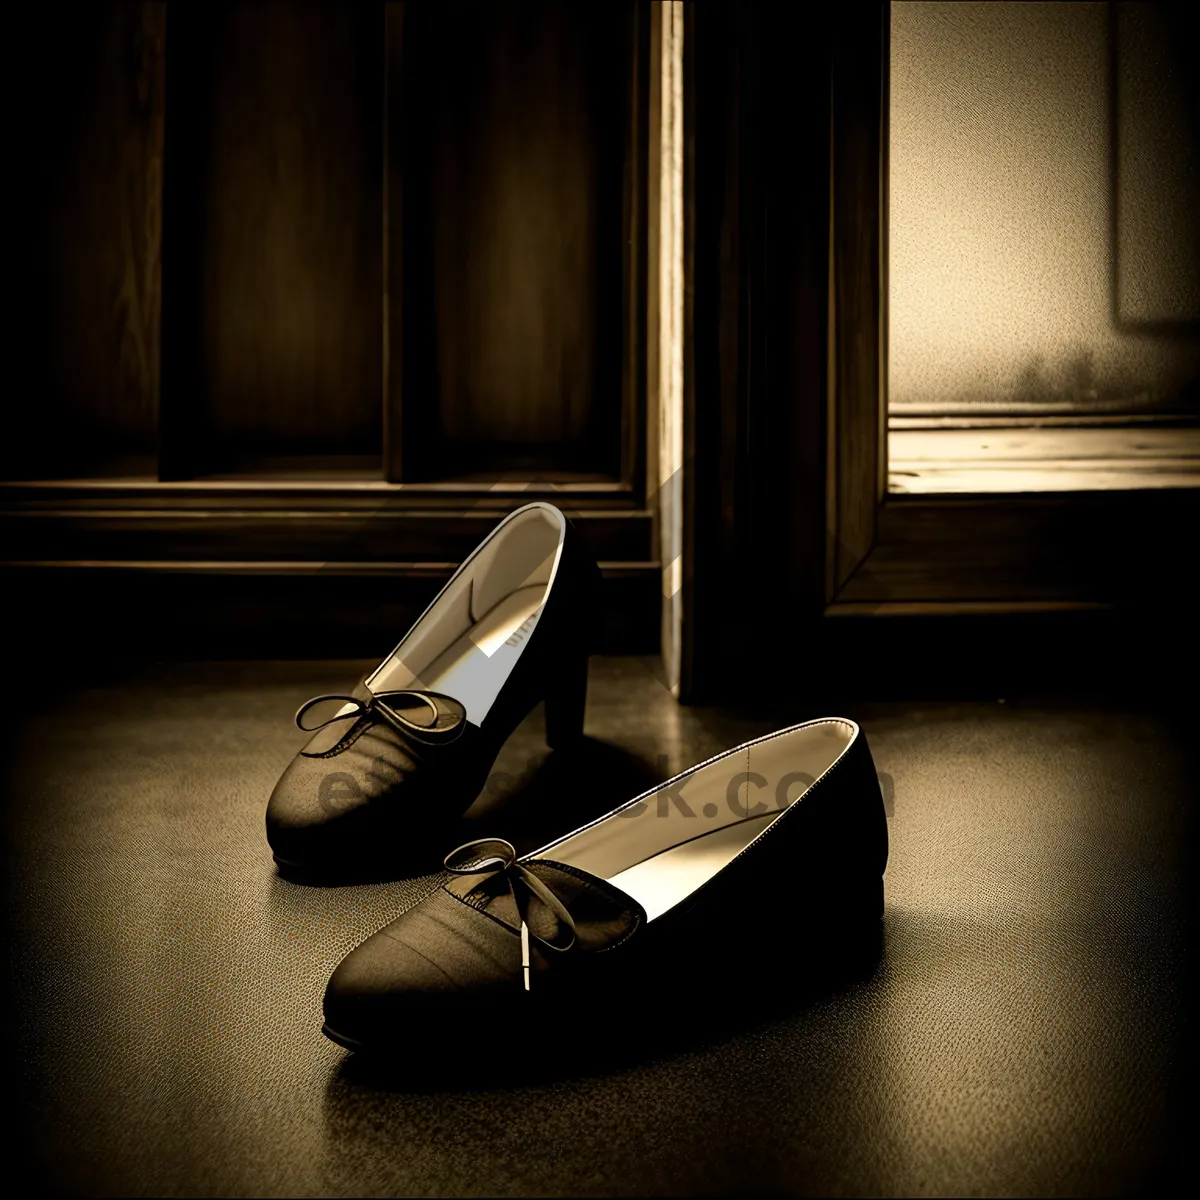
{"points": [[771, 854], [394, 763]]}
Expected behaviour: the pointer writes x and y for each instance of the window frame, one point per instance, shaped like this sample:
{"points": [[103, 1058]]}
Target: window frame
{"points": [[789, 302], [892, 552]]}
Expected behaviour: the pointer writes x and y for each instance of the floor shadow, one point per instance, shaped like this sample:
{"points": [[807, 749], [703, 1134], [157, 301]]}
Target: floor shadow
{"points": [[556, 792], [376, 864]]}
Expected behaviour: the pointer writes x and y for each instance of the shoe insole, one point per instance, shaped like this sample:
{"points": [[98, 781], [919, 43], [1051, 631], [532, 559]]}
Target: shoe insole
{"points": [[474, 667], [661, 882]]}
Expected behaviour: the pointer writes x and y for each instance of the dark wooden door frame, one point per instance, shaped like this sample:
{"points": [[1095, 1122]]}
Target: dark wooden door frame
{"points": [[789, 523], [987, 552]]}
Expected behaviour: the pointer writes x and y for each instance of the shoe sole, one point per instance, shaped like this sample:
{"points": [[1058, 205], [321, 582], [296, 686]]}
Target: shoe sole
{"points": [[349, 874], [343, 1041]]}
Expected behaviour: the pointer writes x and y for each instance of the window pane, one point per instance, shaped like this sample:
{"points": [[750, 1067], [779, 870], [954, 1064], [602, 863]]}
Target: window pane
{"points": [[1006, 260]]}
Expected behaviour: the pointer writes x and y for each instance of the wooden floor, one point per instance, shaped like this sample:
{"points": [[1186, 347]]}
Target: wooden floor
{"points": [[1022, 1031]]}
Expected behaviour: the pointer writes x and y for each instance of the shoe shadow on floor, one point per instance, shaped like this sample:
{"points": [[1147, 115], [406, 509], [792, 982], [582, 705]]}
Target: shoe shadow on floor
{"points": [[556, 792], [679, 1009], [529, 802]]}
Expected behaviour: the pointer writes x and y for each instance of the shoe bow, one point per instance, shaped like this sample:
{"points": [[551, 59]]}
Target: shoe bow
{"points": [[495, 856], [382, 705]]}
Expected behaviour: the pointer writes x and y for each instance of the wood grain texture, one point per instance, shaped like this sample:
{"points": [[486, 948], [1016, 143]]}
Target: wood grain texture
{"points": [[1120, 547], [208, 530], [1043, 459], [88, 141], [719, 223], [337, 529], [392, 246], [506, 251], [260, 612], [273, 256], [635, 238], [756, 419], [859, 83]]}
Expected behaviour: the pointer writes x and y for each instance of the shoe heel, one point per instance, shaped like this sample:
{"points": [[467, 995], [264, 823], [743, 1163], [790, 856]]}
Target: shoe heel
{"points": [[566, 700]]}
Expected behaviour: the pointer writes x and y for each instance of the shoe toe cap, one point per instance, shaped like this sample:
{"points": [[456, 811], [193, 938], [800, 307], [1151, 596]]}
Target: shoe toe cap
{"points": [[368, 802], [311, 809], [425, 979], [386, 992], [351, 809]]}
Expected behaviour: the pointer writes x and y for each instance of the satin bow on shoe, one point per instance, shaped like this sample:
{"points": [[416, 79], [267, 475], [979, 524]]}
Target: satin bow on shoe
{"points": [[495, 856], [378, 706]]}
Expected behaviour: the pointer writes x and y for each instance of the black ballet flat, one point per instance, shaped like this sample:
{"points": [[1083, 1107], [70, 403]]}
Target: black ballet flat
{"points": [[399, 759], [741, 876]]}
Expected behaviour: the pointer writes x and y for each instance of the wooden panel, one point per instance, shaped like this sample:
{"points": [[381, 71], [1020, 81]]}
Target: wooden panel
{"points": [[394, 437], [506, 247], [87, 150], [252, 565], [636, 218], [1115, 547], [856, 230], [720, 227], [259, 614], [202, 524], [336, 529], [273, 303], [756, 521]]}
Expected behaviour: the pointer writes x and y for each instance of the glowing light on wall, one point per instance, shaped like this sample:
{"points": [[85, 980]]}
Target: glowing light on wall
{"points": [[1001, 208]]}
